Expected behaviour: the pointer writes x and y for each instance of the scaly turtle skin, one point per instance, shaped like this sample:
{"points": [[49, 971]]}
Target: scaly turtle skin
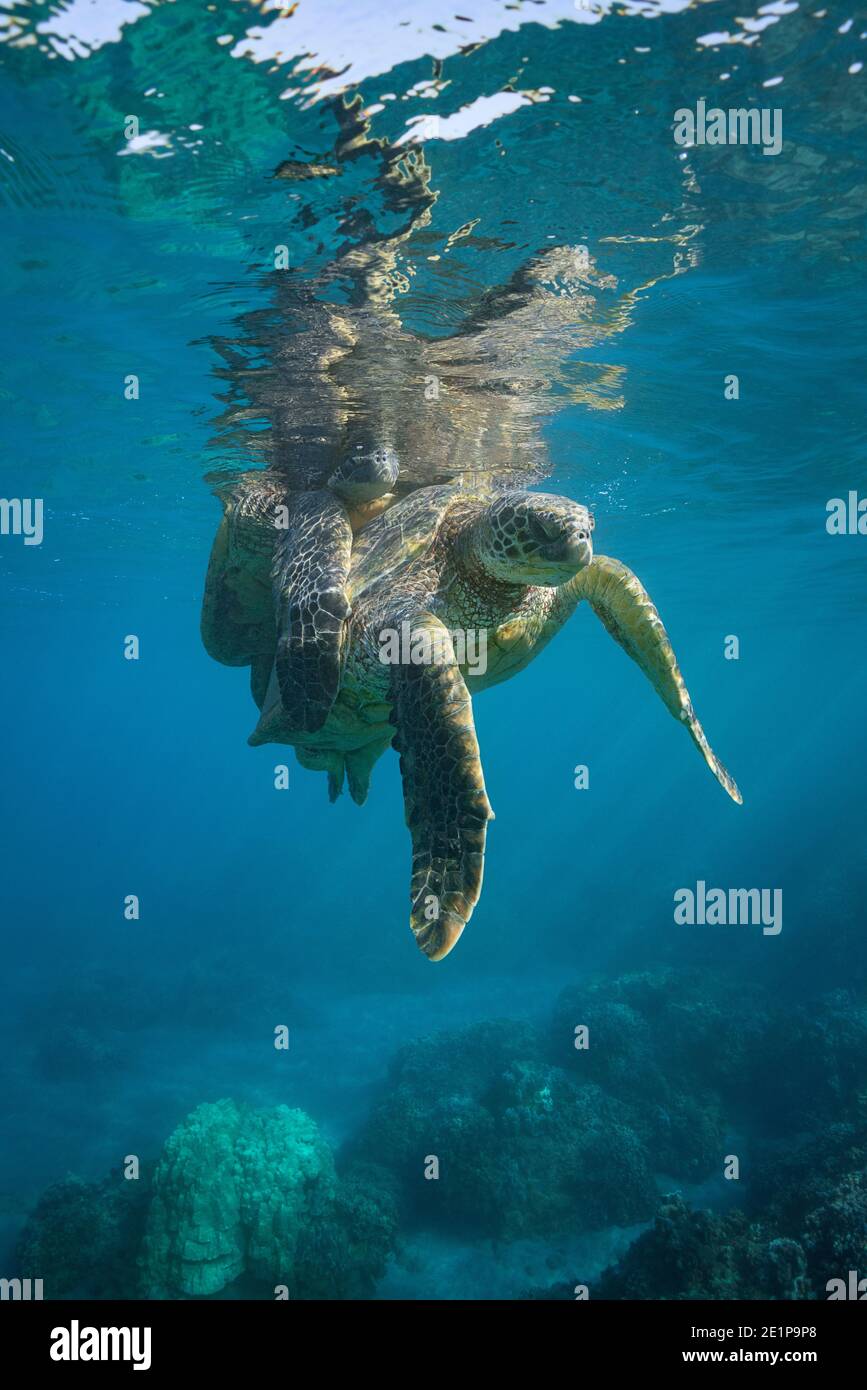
{"points": [[275, 592], [443, 563]]}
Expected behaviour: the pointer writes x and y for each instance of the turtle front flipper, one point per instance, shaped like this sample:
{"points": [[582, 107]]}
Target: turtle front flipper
{"points": [[309, 574], [237, 622], [447, 808], [619, 598]]}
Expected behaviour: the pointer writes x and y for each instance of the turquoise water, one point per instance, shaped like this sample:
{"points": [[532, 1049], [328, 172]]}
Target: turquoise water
{"points": [[262, 908]]}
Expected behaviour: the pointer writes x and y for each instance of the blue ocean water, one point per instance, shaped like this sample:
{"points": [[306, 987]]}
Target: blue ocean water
{"points": [[260, 907]]}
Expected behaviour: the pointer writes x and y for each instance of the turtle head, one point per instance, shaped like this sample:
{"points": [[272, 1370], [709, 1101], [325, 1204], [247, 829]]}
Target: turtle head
{"points": [[364, 474], [533, 538]]}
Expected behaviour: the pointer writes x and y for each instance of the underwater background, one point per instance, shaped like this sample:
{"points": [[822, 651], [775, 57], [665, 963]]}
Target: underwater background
{"points": [[262, 908]]}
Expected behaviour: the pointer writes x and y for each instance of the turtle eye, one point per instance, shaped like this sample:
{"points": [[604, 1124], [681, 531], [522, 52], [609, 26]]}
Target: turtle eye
{"points": [[540, 532]]}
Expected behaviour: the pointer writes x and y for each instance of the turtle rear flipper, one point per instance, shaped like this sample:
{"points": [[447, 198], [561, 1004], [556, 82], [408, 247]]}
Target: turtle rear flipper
{"points": [[447, 808], [309, 574], [618, 597], [260, 675], [359, 766]]}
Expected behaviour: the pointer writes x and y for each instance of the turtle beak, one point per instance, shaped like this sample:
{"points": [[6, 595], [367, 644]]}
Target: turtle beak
{"points": [[567, 554], [569, 548]]}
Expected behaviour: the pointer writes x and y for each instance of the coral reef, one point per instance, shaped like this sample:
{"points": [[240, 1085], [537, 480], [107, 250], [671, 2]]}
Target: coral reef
{"points": [[81, 1239], [344, 1254], [689, 1254], [232, 1194], [240, 1201], [741, 1054], [816, 1192], [804, 1224], [650, 1030], [817, 1051], [521, 1148], [512, 1132]]}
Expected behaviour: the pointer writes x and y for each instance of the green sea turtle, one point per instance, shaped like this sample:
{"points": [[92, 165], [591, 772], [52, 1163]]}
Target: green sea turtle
{"points": [[275, 592], [445, 570], [462, 547]]}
